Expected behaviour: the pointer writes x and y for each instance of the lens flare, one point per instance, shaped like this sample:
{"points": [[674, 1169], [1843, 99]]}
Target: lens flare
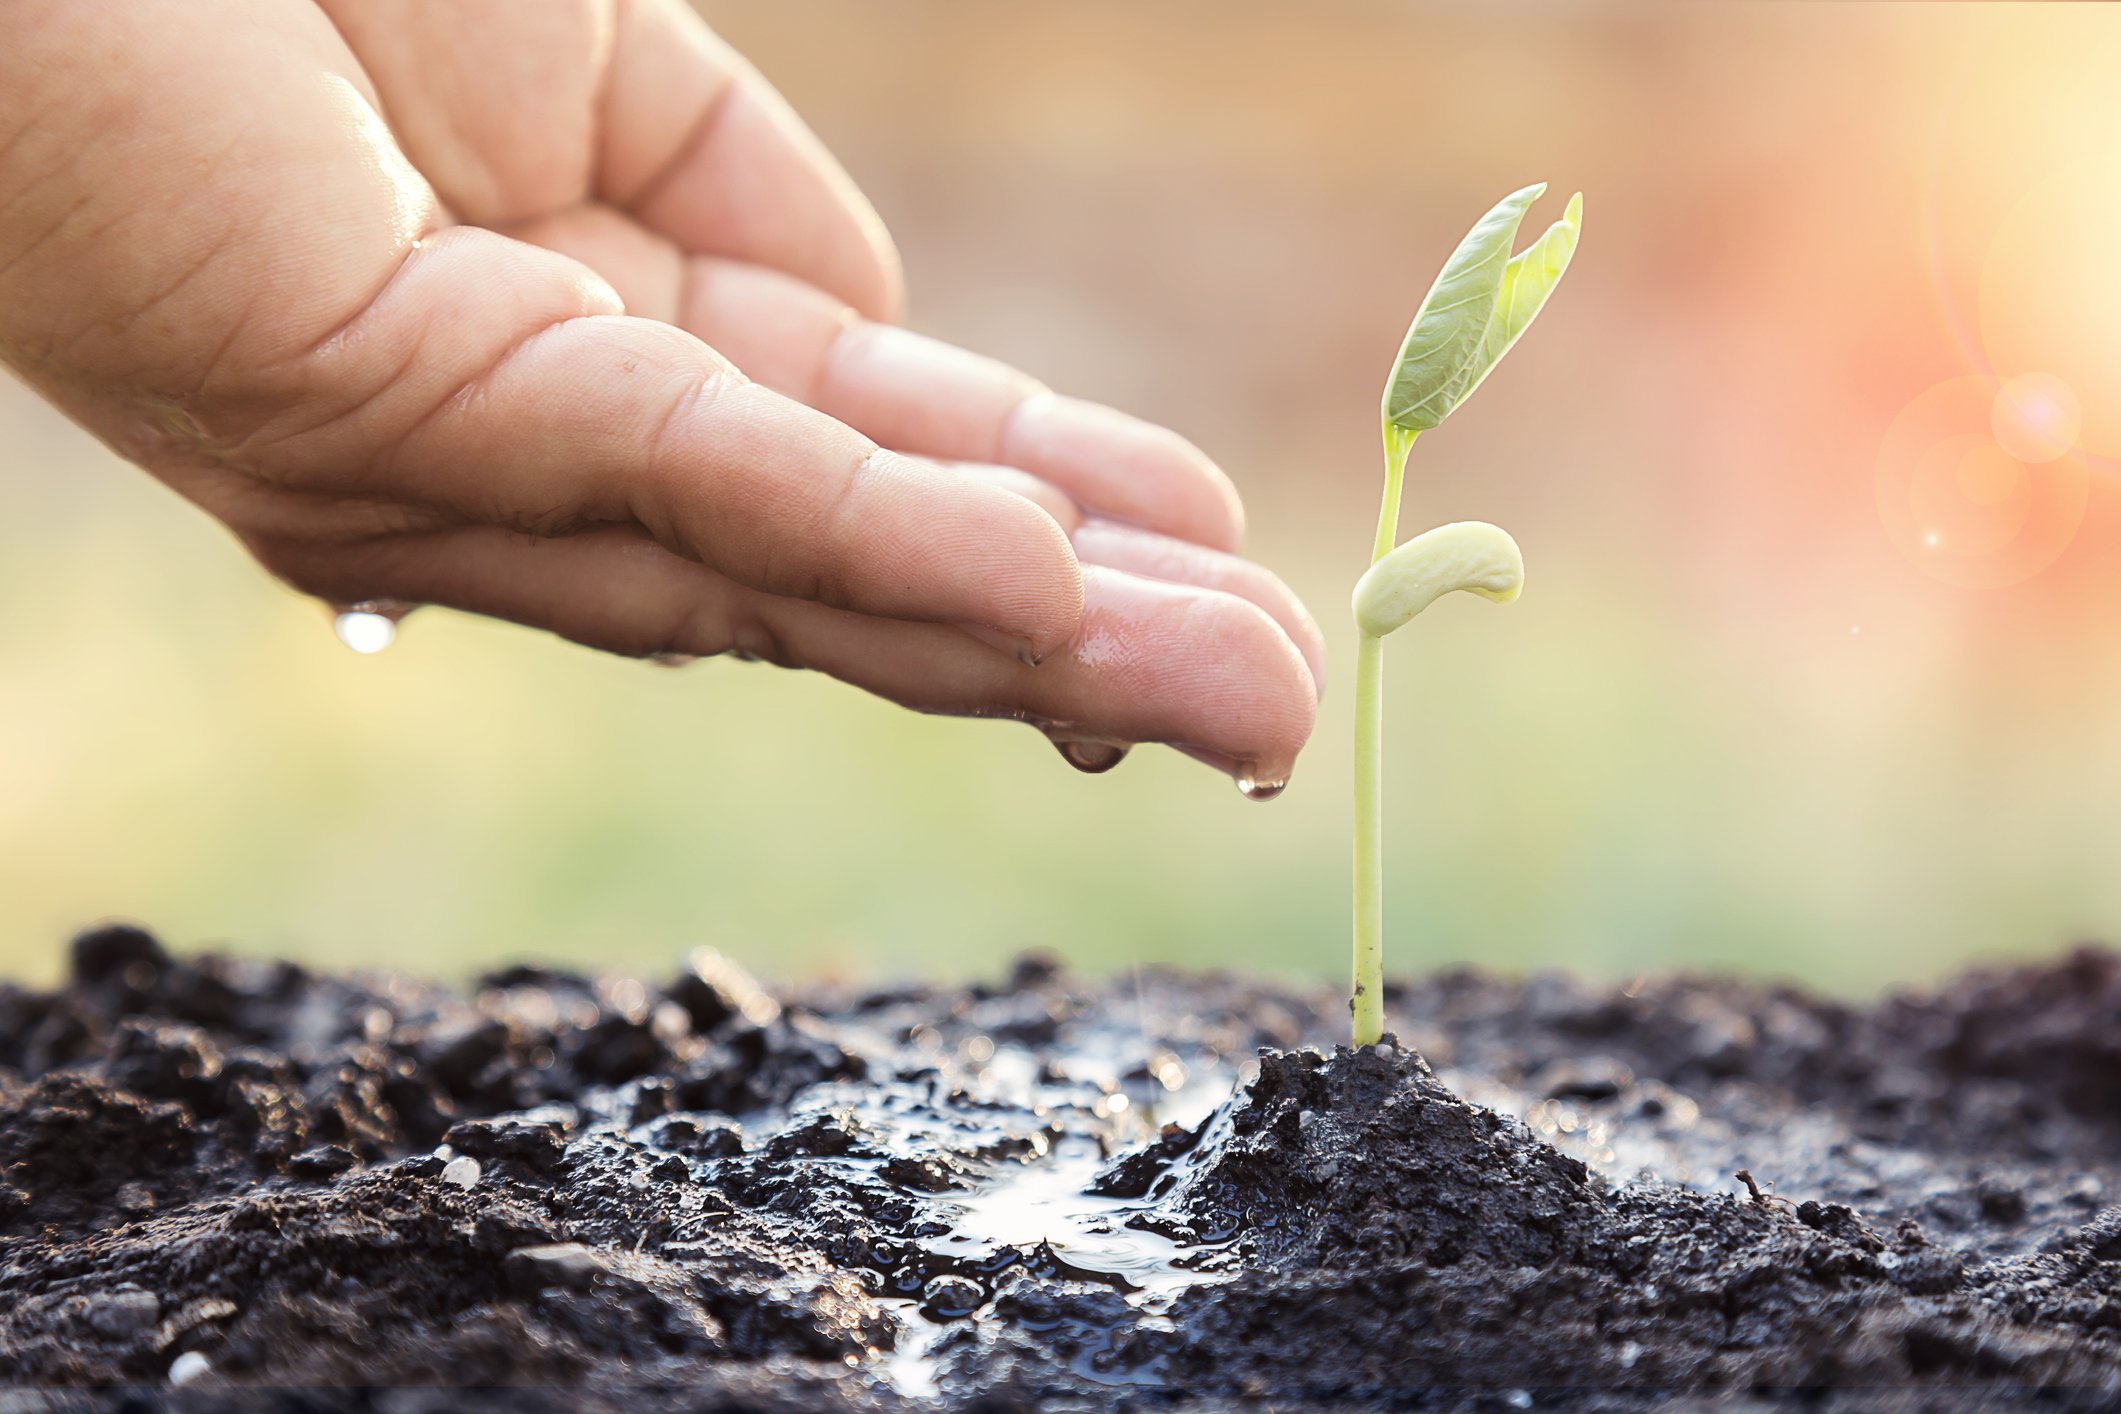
{"points": [[2051, 307], [2036, 417], [1969, 496], [1962, 502]]}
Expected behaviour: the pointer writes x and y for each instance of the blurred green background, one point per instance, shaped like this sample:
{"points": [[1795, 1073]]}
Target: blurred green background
{"points": [[1735, 722]]}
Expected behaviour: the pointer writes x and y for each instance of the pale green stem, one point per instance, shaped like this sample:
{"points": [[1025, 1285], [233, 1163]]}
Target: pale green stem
{"points": [[1368, 1002]]}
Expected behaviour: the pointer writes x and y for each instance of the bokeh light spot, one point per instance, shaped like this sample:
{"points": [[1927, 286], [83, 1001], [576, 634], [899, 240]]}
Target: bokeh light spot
{"points": [[1971, 496], [2051, 299], [2036, 417], [1961, 505]]}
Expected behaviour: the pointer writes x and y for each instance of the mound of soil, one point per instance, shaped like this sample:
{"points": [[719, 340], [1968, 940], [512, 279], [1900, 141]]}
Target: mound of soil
{"points": [[226, 1183]]}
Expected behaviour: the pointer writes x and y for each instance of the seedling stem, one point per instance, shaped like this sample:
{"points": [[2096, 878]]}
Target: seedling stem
{"points": [[1369, 1003]]}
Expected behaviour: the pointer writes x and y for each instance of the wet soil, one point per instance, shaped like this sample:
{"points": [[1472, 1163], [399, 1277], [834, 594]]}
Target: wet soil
{"points": [[229, 1183]]}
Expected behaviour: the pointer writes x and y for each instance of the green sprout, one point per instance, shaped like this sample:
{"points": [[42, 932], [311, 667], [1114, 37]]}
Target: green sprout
{"points": [[1479, 306]]}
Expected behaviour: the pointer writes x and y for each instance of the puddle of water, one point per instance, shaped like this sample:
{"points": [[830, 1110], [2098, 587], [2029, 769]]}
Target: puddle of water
{"points": [[1026, 1139], [1199, 1095], [1036, 1213], [1042, 1203], [1039, 1209]]}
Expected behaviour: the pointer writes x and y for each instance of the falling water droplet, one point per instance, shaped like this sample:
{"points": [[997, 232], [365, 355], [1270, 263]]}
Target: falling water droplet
{"points": [[365, 631], [1092, 757], [1256, 789]]}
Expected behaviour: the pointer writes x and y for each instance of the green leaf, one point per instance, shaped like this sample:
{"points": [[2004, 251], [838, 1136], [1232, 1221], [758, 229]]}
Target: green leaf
{"points": [[1478, 307], [1527, 280]]}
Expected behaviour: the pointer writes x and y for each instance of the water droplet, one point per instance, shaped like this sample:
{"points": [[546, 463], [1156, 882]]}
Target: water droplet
{"points": [[1257, 789], [364, 630], [1092, 757], [672, 660]]}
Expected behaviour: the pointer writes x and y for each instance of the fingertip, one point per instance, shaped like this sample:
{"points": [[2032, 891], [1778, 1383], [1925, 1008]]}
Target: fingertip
{"points": [[1042, 494], [1260, 589], [1003, 562], [1044, 609], [884, 298], [1222, 491], [1187, 665], [862, 264], [1154, 556], [1127, 468], [827, 231], [702, 149], [1274, 704], [1311, 644]]}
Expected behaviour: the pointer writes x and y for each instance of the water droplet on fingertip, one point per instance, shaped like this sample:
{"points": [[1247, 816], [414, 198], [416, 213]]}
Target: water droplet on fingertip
{"points": [[1092, 757], [365, 631], [1256, 789]]}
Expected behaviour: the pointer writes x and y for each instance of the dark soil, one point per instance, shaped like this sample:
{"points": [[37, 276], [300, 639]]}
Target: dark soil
{"points": [[231, 1183]]}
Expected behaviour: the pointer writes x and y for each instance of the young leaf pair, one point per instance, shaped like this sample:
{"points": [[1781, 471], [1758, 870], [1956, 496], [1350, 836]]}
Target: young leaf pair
{"points": [[1478, 308]]}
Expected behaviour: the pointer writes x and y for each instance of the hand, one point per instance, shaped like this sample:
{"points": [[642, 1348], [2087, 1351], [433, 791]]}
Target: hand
{"points": [[446, 303]]}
